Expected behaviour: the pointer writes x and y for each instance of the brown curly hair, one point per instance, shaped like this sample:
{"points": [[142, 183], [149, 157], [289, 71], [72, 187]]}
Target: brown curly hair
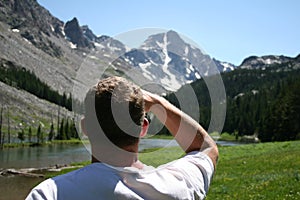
{"points": [[113, 98]]}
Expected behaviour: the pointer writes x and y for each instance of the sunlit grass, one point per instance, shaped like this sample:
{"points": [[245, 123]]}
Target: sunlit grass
{"points": [[159, 156], [260, 171]]}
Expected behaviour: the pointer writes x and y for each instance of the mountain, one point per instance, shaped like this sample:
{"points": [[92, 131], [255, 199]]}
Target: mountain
{"points": [[82, 37], [29, 28], [76, 35], [254, 62], [224, 66], [170, 61], [163, 58], [33, 23], [33, 39]]}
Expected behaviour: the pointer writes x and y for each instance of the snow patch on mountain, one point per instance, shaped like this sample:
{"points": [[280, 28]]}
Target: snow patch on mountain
{"points": [[227, 66], [170, 79]]}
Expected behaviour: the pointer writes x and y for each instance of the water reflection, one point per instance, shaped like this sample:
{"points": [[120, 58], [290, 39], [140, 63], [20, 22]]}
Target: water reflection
{"points": [[59, 154], [62, 154], [42, 156]]}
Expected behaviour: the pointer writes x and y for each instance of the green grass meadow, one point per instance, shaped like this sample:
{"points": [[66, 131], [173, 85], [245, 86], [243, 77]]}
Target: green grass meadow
{"points": [[258, 171], [251, 171]]}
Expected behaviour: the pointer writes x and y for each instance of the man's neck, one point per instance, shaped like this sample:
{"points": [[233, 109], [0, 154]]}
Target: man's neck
{"points": [[127, 159]]}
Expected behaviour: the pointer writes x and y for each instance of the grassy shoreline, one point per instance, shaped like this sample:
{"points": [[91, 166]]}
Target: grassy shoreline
{"points": [[33, 144], [258, 171], [217, 136]]}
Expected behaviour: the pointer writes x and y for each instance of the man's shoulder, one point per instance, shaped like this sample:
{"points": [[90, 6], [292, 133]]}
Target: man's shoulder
{"points": [[45, 190], [190, 173], [192, 158]]}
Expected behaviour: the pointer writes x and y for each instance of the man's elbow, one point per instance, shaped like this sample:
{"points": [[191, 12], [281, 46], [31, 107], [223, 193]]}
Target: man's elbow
{"points": [[214, 155]]}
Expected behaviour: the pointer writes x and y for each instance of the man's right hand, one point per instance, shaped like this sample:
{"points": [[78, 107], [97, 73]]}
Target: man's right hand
{"points": [[150, 99]]}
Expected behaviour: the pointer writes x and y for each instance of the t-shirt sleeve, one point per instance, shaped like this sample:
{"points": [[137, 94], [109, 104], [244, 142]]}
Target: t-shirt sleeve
{"points": [[45, 190], [197, 170]]}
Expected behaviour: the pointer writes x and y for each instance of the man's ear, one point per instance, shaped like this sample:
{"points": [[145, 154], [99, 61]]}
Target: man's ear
{"points": [[82, 123], [145, 127]]}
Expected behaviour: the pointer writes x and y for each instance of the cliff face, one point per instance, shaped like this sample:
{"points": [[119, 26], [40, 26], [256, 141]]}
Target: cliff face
{"points": [[33, 23], [75, 34]]}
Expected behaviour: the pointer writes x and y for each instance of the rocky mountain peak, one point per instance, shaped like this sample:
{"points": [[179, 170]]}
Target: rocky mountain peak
{"points": [[168, 39], [166, 58], [224, 66], [174, 38], [75, 34], [88, 33]]}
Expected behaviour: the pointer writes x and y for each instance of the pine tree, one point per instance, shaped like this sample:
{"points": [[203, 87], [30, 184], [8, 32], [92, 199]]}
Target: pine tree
{"points": [[58, 121], [51, 133], [21, 135], [29, 134], [74, 133], [8, 126], [61, 135], [1, 118], [67, 130], [39, 134]]}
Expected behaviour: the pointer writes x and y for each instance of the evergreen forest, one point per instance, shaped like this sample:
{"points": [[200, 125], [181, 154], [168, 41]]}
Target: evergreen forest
{"points": [[22, 78], [263, 102]]}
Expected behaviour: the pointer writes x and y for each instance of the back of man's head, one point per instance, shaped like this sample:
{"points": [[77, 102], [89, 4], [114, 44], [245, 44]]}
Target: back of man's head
{"points": [[119, 108]]}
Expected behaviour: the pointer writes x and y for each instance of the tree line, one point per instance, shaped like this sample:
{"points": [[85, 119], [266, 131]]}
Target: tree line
{"points": [[264, 102], [63, 129], [24, 79]]}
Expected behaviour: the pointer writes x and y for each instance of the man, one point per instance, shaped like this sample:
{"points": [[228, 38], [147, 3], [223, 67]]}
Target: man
{"points": [[114, 122]]}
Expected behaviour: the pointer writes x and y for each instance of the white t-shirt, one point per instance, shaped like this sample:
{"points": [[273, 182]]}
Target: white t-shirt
{"points": [[186, 178]]}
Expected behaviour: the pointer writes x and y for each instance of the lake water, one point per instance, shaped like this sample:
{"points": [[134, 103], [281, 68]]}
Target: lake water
{"points": [[63, 154], [59, 154]]}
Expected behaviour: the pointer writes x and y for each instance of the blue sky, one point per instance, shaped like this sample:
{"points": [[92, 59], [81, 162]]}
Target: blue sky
{"points": [[226, 30]]}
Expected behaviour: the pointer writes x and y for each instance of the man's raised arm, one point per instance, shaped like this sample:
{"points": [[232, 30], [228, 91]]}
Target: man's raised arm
{"points": [[189, 134]]}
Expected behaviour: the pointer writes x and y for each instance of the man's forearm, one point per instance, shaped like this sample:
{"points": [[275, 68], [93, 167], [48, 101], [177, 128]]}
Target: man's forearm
{"points": [[189, 134]]}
